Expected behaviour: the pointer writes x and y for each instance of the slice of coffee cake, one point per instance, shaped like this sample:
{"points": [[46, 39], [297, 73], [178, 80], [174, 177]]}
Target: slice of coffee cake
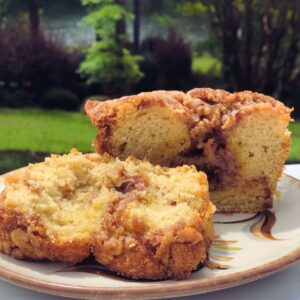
{"points": [[240, 139], [139, 220]]}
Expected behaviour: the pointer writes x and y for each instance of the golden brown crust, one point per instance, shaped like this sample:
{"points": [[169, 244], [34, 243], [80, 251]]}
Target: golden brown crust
{"points": [[104, 113], [220, 110], [24, 237], [212, 96], [161, 254], [152, 255]]}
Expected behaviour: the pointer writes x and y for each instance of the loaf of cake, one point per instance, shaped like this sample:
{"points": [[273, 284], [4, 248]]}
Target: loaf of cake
{"points": [[240, 140], [138, 220]]}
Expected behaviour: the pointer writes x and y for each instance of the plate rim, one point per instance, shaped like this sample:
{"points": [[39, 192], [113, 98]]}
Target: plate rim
{"points": [[162, 290], [175, 288]]}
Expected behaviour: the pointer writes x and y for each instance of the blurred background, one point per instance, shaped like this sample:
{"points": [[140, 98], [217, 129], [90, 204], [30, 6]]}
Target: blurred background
{"points": [[55, 54]]}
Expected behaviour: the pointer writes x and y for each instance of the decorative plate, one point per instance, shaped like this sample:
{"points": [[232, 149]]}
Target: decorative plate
{"points": [[247, 247]]}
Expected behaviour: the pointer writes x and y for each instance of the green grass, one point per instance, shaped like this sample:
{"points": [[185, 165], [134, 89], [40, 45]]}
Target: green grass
{"points": [[206, 64], [45, 131], [295, 149]]}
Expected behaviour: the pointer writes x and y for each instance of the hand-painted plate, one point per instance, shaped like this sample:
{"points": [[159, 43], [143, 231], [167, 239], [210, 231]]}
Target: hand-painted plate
{"points": [[247, 247]]}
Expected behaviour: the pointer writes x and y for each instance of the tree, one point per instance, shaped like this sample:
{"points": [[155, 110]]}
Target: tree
{"points": [[107, 60], [33, 18], [136, 25], [260, 42], [33, 7]]}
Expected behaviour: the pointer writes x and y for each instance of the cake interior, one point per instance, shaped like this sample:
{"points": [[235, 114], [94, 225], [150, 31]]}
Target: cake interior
{"points": [[259, 145], [151, 132], [72, 194]]}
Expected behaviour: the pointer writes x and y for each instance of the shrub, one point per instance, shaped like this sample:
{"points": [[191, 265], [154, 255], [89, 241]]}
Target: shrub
{"points": [[59, 98], [174, 58], [34, 66], [169, 60]]}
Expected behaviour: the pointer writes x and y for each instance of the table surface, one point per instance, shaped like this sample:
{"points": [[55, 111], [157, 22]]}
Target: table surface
{"points": [[283, 285]]}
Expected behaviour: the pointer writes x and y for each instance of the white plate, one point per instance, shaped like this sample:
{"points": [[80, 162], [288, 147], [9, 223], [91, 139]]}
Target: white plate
{"points": [[248, 247]]}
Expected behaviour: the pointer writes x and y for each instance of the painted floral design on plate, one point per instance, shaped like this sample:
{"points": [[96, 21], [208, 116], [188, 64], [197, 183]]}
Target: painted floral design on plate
{"points": [[261, 228]]}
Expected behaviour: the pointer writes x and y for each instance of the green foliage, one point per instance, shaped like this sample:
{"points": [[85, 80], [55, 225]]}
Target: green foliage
{"points": [[105, 18], [192, 8], [207, 65], [107, 60]]}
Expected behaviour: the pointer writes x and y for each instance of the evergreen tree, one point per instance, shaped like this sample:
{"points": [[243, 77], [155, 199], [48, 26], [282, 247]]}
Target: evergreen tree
{"points": [[107, 60]]}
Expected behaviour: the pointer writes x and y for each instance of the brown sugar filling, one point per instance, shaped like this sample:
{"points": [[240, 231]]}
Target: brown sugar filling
{"points": [[213, 159]]}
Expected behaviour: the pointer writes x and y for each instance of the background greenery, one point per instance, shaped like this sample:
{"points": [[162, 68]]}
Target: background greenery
{"points": [[55, 54], [45, 131]]}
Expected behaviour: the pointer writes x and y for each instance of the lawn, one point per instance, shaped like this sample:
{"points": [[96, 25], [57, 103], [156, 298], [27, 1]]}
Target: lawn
{"points": [[37, 133], [45, 131], [29, 135], [295, 149]]}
